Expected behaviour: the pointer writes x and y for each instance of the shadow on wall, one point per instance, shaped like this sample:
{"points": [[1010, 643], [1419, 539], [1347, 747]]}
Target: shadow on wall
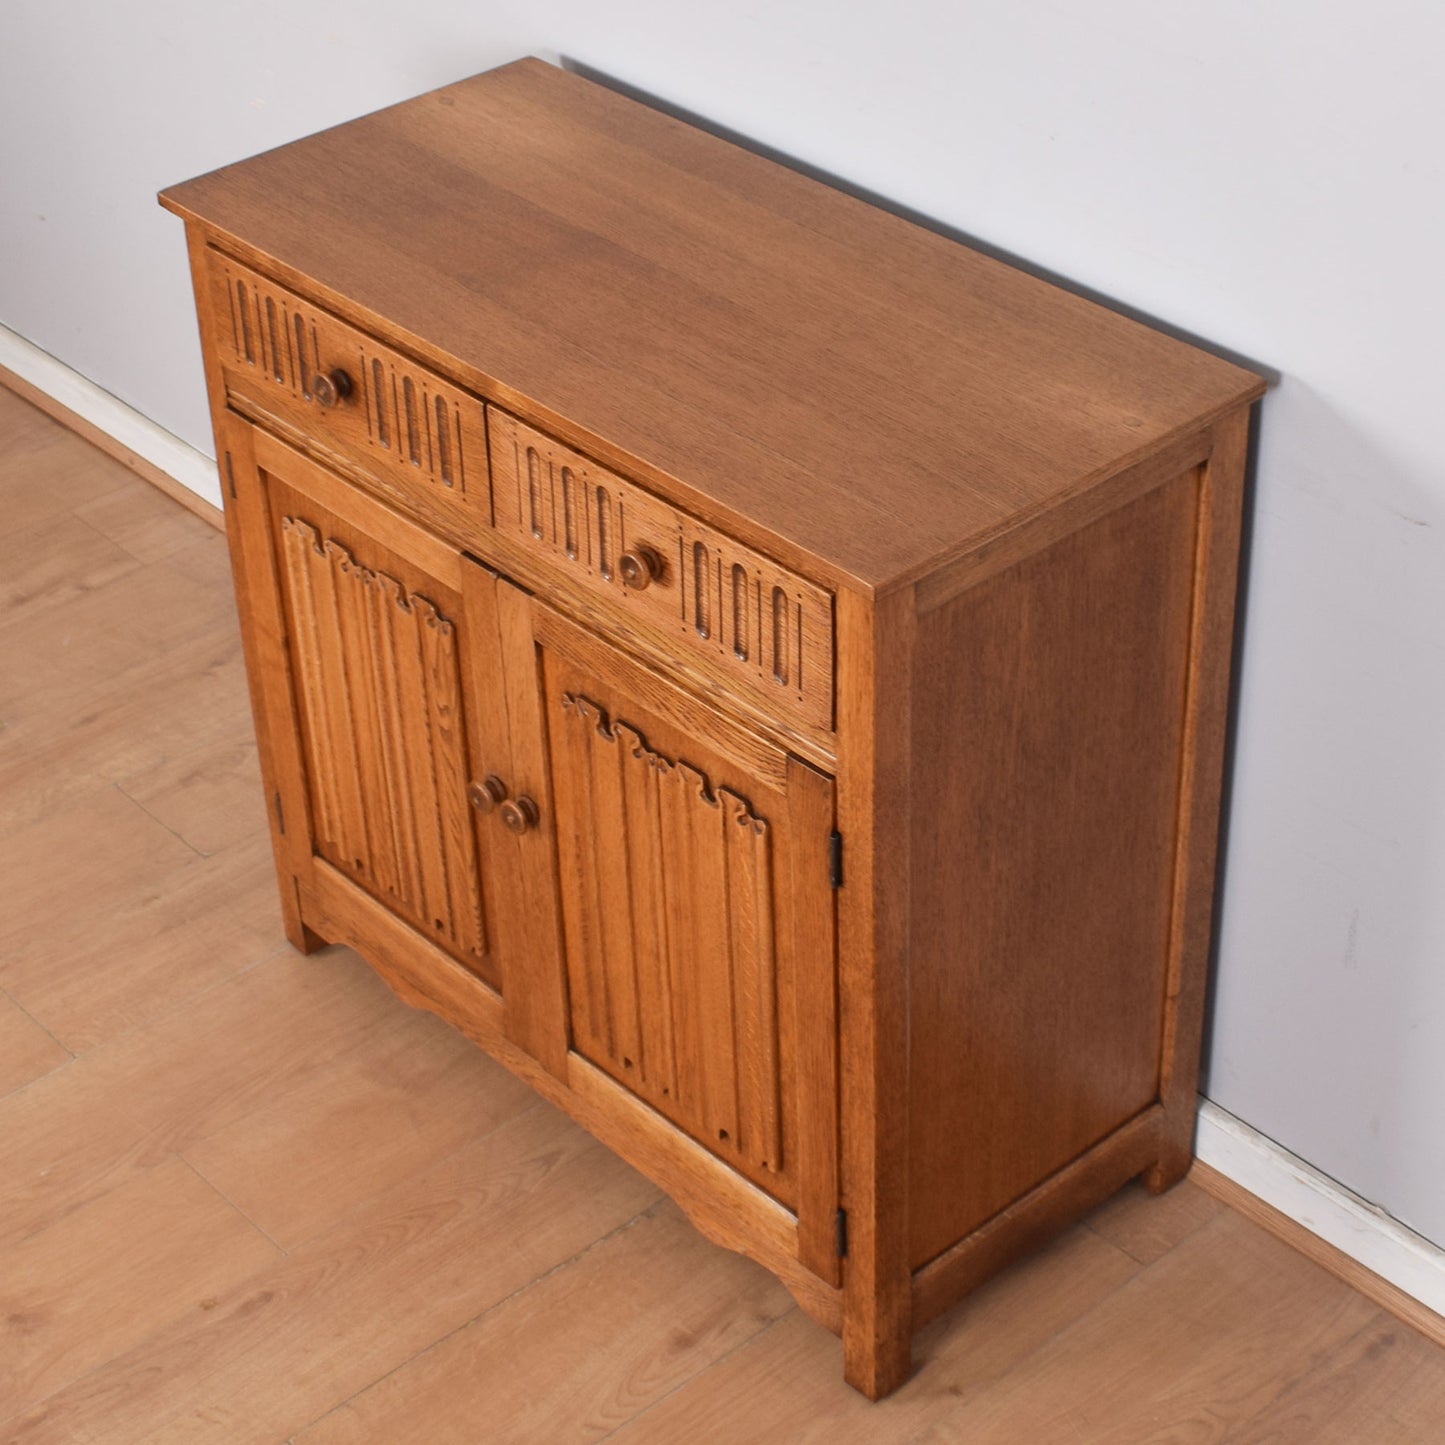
{"points": [[1327, 1031], [907, 213]]}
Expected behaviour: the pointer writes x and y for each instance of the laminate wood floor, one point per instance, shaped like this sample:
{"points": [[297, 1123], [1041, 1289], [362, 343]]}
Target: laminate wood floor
{"points": [[251, 1197]]}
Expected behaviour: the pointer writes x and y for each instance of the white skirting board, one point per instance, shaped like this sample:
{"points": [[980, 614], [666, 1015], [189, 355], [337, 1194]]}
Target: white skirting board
{"points": [[1355, 1227], [193, 469]]}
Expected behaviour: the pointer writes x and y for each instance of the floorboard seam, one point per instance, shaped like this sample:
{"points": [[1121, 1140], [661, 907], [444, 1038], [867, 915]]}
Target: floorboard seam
{"points": [[161, 823], [10, 998], [220, 1193]]}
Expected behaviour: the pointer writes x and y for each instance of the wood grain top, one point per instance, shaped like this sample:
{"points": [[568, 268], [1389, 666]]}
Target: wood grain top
{"points": [[864, 395]]}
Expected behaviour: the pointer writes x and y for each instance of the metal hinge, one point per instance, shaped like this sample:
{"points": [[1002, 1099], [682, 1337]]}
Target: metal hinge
{"points": [[835, 858], [840, 1226], [280, 816]]}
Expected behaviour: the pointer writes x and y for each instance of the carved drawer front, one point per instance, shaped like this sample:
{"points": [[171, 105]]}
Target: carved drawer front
{"points": [[336, 391], [742, 620]]}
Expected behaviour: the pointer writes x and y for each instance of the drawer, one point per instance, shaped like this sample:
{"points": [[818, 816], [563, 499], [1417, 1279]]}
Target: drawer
{"points": [[417, 438], [750, 625]]}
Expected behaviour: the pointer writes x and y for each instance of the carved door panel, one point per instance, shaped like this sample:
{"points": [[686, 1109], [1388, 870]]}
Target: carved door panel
{"points": [[377, 667], [689, 949]]}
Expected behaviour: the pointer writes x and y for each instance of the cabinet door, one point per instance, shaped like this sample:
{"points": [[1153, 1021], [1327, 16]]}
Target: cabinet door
{"points": [[375, 659], [686, 860]]}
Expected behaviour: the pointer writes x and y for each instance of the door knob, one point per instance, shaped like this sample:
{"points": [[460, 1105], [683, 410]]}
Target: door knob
{"points": [[519, 814], [640, 566], [487, 795], [331, 387]]}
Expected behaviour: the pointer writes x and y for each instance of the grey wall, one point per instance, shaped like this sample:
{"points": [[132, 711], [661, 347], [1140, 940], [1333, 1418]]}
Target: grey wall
{"points": [[1269, 177]]}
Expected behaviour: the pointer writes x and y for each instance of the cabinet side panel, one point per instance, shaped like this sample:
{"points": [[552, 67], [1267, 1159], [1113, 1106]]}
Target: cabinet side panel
{"points": [[1047, 730]]}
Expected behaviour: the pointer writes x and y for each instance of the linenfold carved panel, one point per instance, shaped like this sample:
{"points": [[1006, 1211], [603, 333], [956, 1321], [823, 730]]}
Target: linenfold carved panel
{"points": [[671, 950], [376, 670]]}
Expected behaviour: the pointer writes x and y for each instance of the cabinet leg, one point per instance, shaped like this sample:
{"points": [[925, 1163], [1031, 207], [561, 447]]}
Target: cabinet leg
{"points": [[1168, 1172], [1176, 1154], [303, 940], [877, 1359], [298, 935]]}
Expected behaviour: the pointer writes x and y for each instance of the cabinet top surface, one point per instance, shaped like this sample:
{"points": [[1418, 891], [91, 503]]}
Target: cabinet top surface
{"points": [[766, 347]]}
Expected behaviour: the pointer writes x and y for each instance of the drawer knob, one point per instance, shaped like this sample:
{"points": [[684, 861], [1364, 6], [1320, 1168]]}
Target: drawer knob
{"points": [[331, 387], [640, 567], [519, 814], [487, 795]]}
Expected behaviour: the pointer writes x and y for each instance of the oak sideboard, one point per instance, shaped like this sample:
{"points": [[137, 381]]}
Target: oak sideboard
{"points": [[756, 666]]}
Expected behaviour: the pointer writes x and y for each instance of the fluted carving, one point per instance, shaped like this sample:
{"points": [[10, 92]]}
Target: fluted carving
{"points": [[377, 675], [738, 612], [670, 921], [413, 420]]}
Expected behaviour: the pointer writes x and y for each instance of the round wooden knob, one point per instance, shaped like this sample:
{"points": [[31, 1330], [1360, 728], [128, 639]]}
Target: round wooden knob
{"points": [[487, 795], [639, 567], [331, 387], [519, 814]]}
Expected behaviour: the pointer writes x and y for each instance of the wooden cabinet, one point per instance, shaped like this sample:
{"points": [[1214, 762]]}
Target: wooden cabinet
{"points": [[756, 667]]}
